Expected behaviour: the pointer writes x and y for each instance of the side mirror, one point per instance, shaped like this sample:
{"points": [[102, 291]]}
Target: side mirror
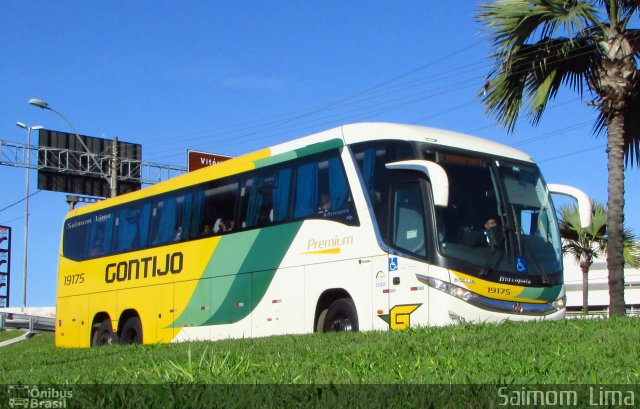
{"points": [[435, 173], [584, 203]]}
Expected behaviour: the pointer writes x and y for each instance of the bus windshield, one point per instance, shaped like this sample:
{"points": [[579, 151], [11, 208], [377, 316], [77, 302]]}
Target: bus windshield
{"points": [[500, 220]]}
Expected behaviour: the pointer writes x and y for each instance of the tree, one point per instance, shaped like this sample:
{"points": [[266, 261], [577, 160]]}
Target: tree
{"points": [[632, 252], [585, 245], [542, 45]]}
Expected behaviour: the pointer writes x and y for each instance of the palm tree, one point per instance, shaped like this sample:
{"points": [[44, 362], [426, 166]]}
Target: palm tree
{"points": [[541, 45], [632, 252], [585, 245]]}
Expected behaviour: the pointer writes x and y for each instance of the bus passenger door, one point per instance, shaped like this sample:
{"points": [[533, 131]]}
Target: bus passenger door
{"points": [[165, 311], [407, 259], [73, 328]]}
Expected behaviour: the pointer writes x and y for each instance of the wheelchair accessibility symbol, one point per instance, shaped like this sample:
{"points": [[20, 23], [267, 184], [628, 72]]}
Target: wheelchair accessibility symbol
{"points": [[393, 263], [521, 265]]}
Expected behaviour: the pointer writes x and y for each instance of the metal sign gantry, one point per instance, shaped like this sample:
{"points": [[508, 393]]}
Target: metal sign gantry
{"points": [[22, 155]]}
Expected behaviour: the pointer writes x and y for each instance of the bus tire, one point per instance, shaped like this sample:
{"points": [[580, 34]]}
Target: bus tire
{"points": [[103, 334], [341, 316], [131, 331], [321, 319]]}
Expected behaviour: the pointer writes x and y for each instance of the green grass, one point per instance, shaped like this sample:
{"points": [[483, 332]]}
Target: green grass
{"points": [[562, 352], [10, 334]]}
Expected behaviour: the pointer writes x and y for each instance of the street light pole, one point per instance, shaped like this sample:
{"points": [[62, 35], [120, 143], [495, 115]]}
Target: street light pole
{"points": [[44, 105], [26, 210]]}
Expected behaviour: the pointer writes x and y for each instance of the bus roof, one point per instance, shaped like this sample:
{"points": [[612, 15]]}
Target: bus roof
{"points": [[373, 131], [346, 134]]}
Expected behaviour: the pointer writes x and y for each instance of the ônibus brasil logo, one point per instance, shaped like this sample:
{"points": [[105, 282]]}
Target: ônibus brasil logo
{"points": [[34, 396]]}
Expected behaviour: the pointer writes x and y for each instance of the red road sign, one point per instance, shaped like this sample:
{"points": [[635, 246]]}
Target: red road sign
{"points": [[197, 160]]}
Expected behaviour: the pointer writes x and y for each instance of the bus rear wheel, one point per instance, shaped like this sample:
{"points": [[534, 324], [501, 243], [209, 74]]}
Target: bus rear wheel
{"points": [[131, 331], [341, 316], [103, 334]]}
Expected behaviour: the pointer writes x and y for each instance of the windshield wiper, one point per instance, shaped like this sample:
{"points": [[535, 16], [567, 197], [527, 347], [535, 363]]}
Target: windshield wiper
{"points": [[522, 245], [518, 253], [495, 243], [536, 262]]}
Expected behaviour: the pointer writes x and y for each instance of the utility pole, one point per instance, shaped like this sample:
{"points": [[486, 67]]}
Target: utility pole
{"points": [[26, 211], [114, 167]]}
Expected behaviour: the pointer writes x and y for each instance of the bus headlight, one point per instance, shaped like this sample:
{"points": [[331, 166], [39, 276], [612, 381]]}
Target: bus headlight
{"points": [[454, 290]]}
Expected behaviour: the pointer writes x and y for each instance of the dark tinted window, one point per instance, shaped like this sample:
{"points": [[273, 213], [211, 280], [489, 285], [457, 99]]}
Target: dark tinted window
{"points": [[170, 215], [76, 236], [214, 208], [408, 222], [371, 159], [312, 187]]}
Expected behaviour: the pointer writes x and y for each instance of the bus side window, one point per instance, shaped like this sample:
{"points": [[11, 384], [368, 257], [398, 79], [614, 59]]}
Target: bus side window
{"points": [[219, 208], [170, 217], [76, 243], [371, 159], [306, 190], [280, 195], [201, 219], [408, 224], [257, 200], [334, 198], [321, 190], [128, 227], [100, 240], [314, 187], [204, 211]]}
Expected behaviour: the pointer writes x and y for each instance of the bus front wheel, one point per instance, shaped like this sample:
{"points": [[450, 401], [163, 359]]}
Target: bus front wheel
{"points": [[131, 331], [103, 334], [341, 316]]}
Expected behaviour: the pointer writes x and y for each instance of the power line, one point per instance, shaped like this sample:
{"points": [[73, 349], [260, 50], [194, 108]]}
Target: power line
{"points": [[12, 220], [572, 153], [555, 105], [553, 133], [345, 115], [20, 201], [374, 92], [389, 87]]}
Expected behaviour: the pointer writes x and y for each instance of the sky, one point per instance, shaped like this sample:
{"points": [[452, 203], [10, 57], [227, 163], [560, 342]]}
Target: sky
{"points": [[231, 77]]}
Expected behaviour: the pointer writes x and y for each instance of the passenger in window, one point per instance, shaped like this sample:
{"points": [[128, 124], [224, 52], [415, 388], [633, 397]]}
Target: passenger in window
{"points": [[218, 226], [206, 230], [178, 236], [221, 226], [325, 205], [229, 225], [97, 250]]}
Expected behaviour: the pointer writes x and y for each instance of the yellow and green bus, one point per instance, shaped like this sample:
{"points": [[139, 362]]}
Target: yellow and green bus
{"points": [[367, 226]]}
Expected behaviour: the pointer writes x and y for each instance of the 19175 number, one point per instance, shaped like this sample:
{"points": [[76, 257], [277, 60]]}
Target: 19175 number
{"points": [[74, 279], [499, 291]]}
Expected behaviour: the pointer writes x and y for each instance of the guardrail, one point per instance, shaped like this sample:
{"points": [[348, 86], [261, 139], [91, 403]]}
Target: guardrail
{"points": [[26, 321], [631, 312]]}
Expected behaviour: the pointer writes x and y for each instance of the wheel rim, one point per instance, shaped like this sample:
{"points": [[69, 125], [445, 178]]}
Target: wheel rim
{"points": [[342, 324], [132, 337]]}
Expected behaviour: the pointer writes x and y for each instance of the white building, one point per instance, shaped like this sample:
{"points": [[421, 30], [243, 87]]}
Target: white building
{"points": [[598, 285]]}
